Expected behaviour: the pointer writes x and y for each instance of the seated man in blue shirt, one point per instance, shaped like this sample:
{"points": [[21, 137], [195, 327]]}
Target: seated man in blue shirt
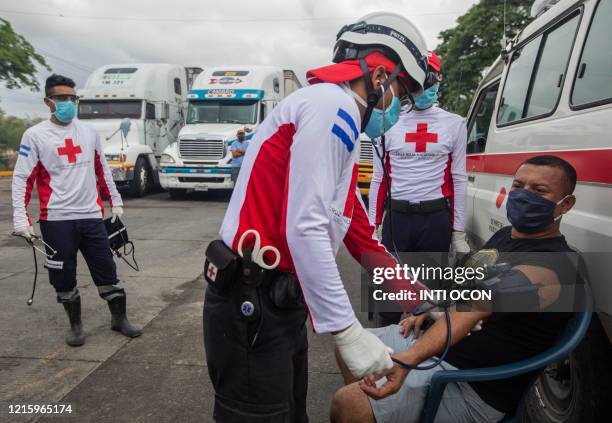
{"points": [[238, 149], [541, 194]]}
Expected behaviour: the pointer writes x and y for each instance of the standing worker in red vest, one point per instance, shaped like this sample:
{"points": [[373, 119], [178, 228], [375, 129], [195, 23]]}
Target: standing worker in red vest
{"points": [[425, 163]]}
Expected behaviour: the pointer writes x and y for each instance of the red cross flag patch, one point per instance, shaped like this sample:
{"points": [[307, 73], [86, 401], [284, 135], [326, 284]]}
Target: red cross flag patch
{"points": [[212, 271]]}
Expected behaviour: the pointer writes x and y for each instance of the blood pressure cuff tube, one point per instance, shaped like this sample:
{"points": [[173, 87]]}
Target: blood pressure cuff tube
{"points": [[221, 265]]}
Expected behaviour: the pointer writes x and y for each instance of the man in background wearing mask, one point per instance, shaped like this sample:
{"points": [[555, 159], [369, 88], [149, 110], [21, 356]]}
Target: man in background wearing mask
{"points": [[425, 161], [64, 157], [540, 259], [238, 149], [298, 191]]}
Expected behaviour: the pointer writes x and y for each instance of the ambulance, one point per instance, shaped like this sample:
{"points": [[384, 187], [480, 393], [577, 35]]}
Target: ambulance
{"points": [[221, 101], [138, 110], [550, 92]]}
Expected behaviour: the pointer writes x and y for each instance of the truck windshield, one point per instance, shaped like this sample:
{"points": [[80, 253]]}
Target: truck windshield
{"points": [[110, 109], [223, 111]]}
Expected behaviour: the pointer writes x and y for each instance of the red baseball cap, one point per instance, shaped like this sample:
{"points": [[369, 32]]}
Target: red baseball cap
{"points": [[350, 69], [434, 62]]}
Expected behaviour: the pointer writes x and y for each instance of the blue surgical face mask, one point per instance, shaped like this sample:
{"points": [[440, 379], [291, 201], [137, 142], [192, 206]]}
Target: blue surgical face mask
{"points": [[427, 98], [528, 212], [379, 122], [65, 111]]}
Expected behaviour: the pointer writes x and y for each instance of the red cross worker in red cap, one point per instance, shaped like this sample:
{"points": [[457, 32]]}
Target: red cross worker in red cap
{"points": [[295, 202], [425, 158]]}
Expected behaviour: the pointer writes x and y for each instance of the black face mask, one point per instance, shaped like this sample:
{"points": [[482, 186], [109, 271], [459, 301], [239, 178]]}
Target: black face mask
{"points": [[528, 212]]}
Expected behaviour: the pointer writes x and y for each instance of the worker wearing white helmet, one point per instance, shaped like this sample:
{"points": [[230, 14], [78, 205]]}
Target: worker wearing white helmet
{"points": [[296, 200]]}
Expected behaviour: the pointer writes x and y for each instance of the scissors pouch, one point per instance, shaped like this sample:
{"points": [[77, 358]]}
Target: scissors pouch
{"points": [[221, 266]]}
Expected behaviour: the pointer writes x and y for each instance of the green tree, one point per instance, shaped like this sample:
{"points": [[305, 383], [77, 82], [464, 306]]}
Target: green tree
{"points": [[473, 44], [11, 130], [18, 59]]}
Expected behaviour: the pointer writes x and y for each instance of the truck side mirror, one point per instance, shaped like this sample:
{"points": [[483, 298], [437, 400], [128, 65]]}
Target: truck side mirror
{"points": [[161, 111], [150, 111], [124, 126]]}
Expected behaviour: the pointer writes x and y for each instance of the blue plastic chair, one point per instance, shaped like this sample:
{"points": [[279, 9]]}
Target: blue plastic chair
{"points": [[571, 338]]}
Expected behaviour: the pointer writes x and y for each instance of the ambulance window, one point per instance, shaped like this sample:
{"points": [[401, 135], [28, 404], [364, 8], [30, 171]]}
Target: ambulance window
{"points": [[481, 119], [550, 69], [593, 83], [517, 82], [536, 76], [177, 86]]}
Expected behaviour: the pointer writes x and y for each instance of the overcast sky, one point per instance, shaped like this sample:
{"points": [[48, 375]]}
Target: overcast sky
{"points": [[77, 36]]}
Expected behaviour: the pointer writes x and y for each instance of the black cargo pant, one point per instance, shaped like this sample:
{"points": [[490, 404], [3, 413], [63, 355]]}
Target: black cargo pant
{"points": [[258, 368], [416, 232], [89, 236]]}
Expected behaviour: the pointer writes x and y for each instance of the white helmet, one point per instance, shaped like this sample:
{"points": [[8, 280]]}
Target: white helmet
{"points": [[391, 34]]}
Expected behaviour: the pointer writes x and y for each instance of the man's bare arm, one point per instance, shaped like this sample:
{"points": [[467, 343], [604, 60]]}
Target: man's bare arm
{"points": [[433, 341]]}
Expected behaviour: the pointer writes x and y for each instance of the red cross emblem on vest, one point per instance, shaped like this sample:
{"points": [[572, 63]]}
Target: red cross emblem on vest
{"points": [[69, 150], [421, 137]]}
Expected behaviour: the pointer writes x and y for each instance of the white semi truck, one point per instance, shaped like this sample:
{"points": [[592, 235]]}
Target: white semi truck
{"points": [[221, 101], [138, 110]]}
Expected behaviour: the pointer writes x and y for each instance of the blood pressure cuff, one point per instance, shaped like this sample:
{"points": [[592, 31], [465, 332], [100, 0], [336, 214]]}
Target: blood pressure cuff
{"points": [[512, 291], [117, 233], [221, 265]]}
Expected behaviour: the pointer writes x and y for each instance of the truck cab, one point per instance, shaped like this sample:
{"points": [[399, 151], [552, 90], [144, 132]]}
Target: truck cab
{"points": [[138, 110], [221, 101], [551, 93]]}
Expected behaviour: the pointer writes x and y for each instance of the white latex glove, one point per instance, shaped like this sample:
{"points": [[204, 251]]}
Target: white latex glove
{"points": [[362, 352], [459, 243], [26, 232], [116, 212]]}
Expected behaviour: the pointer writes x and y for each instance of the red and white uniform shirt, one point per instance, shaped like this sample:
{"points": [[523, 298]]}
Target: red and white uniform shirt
{"points": [[425, 161], [69, 168], [298, 188]]}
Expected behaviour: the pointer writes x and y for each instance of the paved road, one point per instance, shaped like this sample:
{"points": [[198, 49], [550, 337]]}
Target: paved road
{"points": [[160, 376]]}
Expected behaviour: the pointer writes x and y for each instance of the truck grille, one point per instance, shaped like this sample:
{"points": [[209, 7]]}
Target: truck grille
{"points": [[201, 149], [366, 154]]}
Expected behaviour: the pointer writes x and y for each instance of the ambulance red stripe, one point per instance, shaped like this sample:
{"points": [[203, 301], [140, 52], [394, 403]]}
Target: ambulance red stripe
{"points": [[591, 165]]}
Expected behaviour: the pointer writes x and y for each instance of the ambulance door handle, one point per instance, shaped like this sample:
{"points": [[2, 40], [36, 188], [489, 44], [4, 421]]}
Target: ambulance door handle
{"points": [[471, 176]]}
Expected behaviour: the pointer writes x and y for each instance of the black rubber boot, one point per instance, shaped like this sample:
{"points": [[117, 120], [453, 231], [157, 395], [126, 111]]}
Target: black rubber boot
{"points": [[75, 337], [119, 321]]}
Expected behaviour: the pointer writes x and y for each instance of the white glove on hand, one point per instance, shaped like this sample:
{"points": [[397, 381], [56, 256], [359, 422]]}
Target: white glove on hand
{"points": [[362, 352], [25, 231], [459, 243], [116, 212]]}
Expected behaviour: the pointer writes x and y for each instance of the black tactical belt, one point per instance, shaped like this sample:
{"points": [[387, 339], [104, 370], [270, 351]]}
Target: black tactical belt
{"points": [[422, 207]]}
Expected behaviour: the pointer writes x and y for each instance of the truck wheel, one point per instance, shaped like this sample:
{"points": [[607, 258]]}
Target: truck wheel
{"points": [[142, 177], [577, 390], [177, 193]]}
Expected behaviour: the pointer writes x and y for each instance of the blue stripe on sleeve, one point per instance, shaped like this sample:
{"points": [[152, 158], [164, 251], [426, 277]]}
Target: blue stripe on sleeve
{"points": [[21, 153], [349, 120], [25, 147], [339, 132]]}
